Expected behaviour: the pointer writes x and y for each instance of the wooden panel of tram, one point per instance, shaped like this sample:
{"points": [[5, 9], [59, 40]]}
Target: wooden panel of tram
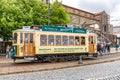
{"points": [[29, 50], [91, 48]]}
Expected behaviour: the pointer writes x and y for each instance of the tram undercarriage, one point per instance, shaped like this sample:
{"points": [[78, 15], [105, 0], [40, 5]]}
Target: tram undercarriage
{"points": [[63, 57]]}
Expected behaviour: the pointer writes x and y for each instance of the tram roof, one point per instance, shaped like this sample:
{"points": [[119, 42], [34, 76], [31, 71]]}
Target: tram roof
{"points": [[55, 29], [33, 30]]}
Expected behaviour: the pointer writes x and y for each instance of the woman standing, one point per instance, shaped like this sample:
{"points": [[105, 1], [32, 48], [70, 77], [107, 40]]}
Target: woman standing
{"points": [[7, 51]]}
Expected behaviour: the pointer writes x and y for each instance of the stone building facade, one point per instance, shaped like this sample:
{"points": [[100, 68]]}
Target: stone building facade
{"points": [[81, 18], [116, 31]]}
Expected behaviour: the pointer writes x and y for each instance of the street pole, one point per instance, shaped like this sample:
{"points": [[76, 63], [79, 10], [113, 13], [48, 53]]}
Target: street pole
{"points": [[48, 12]]}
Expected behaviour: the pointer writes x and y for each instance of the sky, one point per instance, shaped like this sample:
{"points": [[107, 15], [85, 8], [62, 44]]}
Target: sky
{"points": [[112, 7]]}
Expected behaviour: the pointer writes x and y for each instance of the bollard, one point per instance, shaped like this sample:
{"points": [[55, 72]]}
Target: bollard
{"points": [[80, 60]]}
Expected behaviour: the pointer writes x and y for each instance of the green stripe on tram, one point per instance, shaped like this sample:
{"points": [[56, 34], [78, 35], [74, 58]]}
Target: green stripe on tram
{"points": [[63, 29]]}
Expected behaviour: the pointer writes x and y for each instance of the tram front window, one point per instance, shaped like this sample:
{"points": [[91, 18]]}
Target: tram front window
{"points": [[21, 37], [26, 38], [15, 38]]}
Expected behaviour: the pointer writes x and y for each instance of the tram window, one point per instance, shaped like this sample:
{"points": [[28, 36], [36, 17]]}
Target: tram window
{"points": [[77, 40], [95, 40], [71, 40], [26, 38], [82, 40], [91, 39], [31, 38], [50, 39], [15, 37], [64, 40], [43, 39], [21, 37], [58, 40]]}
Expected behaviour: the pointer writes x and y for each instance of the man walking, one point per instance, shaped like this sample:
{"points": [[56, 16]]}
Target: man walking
{"points": [[100, 49]]}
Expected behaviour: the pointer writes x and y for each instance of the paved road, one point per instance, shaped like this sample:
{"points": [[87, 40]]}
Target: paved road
{"points": [[8, 67], [104, 71]]}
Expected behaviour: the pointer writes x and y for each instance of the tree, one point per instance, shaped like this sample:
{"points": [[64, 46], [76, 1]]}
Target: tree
{"points": [[17, 13], [58, 15]]}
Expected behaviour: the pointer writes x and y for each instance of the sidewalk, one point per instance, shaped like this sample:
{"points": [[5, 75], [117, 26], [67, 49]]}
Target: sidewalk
{"points": [[113, 50]]}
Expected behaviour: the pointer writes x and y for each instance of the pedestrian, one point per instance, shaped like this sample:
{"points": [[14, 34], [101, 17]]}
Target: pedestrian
{"points": [[117, 46], [10, 51], [7, 51], [108, 47], [104, 48], [100, 49]]}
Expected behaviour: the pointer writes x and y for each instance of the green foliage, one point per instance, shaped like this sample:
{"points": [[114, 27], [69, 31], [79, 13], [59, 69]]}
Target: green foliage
{"points": [[58, 15], [17, 13]]}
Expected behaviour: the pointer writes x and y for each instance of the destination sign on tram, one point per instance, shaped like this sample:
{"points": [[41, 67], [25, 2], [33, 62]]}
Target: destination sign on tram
{"points": [[63, 29]]}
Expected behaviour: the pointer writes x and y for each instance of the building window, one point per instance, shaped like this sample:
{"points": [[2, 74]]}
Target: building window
{"points": [[71, 17]]}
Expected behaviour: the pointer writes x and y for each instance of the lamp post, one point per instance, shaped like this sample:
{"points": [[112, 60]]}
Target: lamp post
{"points": [[48, 12]]}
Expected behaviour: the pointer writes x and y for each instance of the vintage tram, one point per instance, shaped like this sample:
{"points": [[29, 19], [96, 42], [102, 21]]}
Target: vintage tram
{"points": [[53, 43]]}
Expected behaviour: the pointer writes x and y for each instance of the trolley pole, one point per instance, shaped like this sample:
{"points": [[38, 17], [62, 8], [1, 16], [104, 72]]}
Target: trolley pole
{"points": [[48, 12]]}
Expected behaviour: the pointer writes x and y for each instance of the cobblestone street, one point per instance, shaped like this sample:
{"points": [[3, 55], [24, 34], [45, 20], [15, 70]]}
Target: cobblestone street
{"points": [[104, 71], [59, 40]]}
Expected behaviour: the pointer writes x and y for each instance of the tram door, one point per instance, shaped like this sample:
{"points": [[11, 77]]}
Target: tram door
{"points": [[91, 44], [29, 49]]}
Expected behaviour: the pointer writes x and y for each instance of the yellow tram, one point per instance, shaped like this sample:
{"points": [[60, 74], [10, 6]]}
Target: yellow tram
{"points": [[53, 43]]}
